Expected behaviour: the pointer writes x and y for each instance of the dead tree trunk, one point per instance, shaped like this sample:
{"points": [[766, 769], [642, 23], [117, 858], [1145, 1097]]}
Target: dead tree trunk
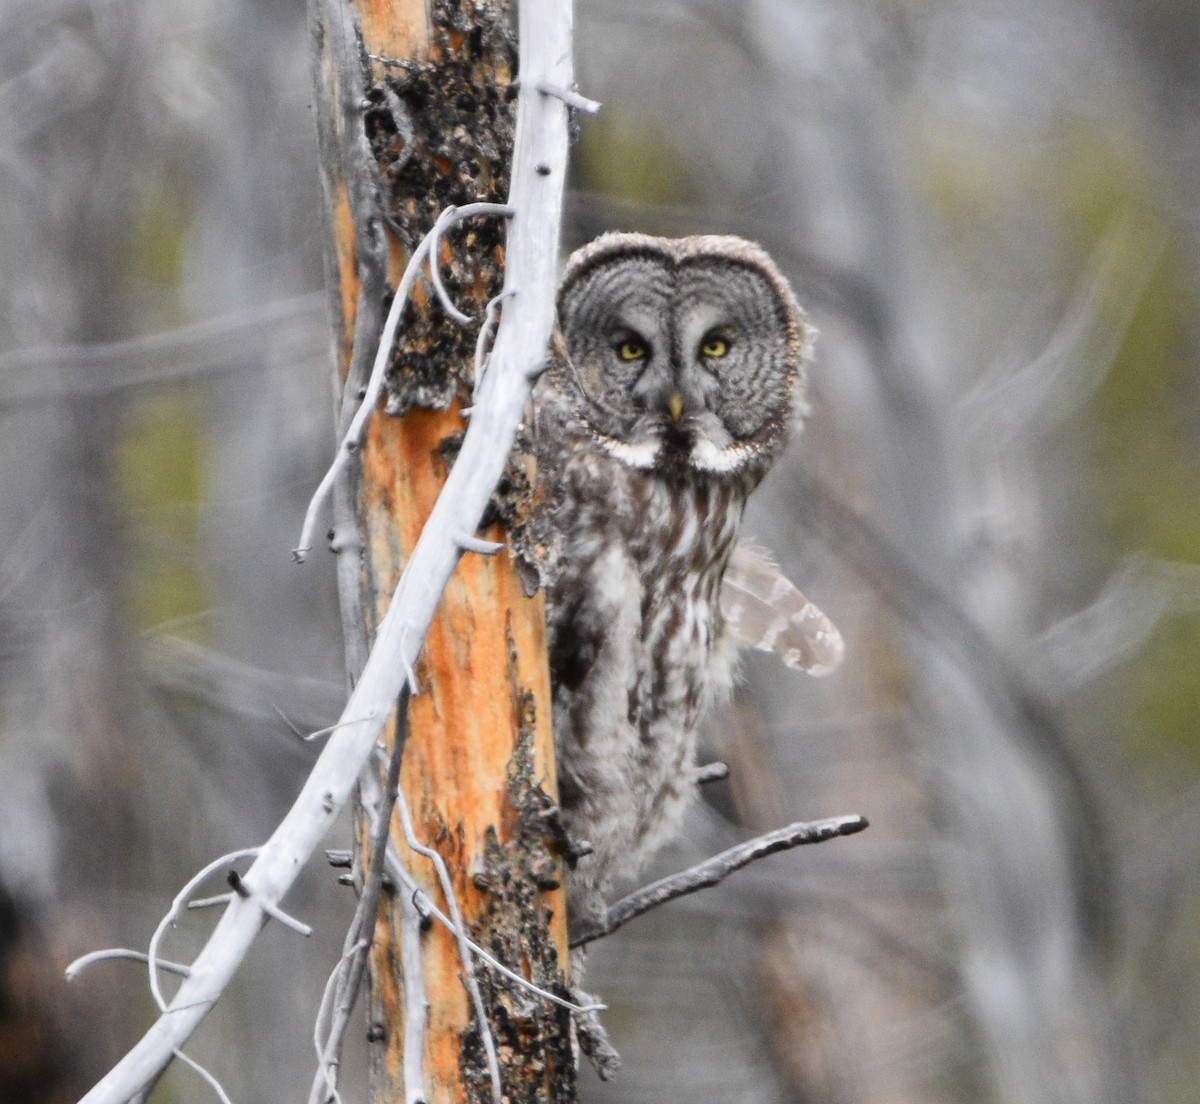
{"points": [[417, 115]]}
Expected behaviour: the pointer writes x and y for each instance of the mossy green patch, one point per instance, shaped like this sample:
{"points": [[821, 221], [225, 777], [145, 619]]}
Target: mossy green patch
{"points": [[632, 160], [1144, 419], [159, 472]]}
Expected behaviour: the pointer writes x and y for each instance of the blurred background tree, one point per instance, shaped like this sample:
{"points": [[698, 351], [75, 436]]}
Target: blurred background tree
{"points": [[990, 213]]}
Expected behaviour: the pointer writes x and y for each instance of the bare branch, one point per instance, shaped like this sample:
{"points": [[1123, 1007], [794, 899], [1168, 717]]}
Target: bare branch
{"points": [[717, 869], [209, 902], [219, 681], [595, 1043], [956, 636], [318, 733], [212, 347], [406, 664], [1093, 640], [1010, 402]]}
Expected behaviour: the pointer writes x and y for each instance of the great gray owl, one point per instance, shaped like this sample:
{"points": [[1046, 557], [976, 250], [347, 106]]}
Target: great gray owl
{"points": [[678, 378]]}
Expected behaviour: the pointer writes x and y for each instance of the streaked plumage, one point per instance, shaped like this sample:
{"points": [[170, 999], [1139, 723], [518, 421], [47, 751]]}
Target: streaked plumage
{"points": [[679, 376]]}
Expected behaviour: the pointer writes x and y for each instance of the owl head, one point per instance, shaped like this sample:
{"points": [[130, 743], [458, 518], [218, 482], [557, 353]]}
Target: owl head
{"points": [[682, 352]]}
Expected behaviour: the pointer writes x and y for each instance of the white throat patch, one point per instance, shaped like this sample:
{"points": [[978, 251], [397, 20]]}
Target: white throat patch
{"points": [[712, 458], [642, 455]]}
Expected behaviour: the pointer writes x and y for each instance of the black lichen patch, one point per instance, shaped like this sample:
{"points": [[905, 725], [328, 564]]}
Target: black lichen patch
{"points": [[533, 1036], [442, 134]]}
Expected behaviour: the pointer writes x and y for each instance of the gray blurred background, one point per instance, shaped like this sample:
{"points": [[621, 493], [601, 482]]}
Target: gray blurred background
{"points": [[990, 212]]}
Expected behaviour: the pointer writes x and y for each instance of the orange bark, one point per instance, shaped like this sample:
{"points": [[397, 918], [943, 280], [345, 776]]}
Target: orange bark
{"points": [[395, 28], [484, 654]]}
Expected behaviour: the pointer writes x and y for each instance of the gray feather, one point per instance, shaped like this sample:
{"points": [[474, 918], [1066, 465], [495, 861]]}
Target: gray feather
{"points": [[764, 610]]}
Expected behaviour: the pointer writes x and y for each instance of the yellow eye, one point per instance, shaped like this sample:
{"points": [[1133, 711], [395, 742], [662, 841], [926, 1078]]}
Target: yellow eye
{"points": [[631, 349], [714, 346]]}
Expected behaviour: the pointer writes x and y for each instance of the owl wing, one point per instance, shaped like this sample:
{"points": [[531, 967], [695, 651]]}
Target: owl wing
{"points": [[762, 609]]}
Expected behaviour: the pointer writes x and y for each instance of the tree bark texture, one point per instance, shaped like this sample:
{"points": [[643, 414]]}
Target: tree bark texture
{"points": [[437, 113]]}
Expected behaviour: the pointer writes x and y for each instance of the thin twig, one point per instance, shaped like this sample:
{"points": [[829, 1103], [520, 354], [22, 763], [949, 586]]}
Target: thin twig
{"points": [[568, 96], [177, 906], [416, 1007], [318, 733], [84, 961], [435, 273], [353, 437], [406, 664], [477, 544], [717, 869], [239, 886], [213, 1083], [329, 1070], [209, 902], [234, 687], [485, 332]]}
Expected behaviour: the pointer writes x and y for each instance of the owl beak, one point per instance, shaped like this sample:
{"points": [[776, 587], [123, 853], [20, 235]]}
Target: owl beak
{"points": [[675, 406]]}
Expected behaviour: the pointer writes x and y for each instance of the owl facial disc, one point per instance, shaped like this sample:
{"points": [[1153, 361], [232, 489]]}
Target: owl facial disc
{"points": [[683, 353]]}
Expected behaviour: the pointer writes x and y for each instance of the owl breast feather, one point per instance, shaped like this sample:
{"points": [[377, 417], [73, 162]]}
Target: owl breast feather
{"points": [[634, 624]]}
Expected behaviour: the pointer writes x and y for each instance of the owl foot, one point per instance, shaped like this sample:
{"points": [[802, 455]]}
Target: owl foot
{"points": [[587, 914], [567, 845], [593, 1039]]}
